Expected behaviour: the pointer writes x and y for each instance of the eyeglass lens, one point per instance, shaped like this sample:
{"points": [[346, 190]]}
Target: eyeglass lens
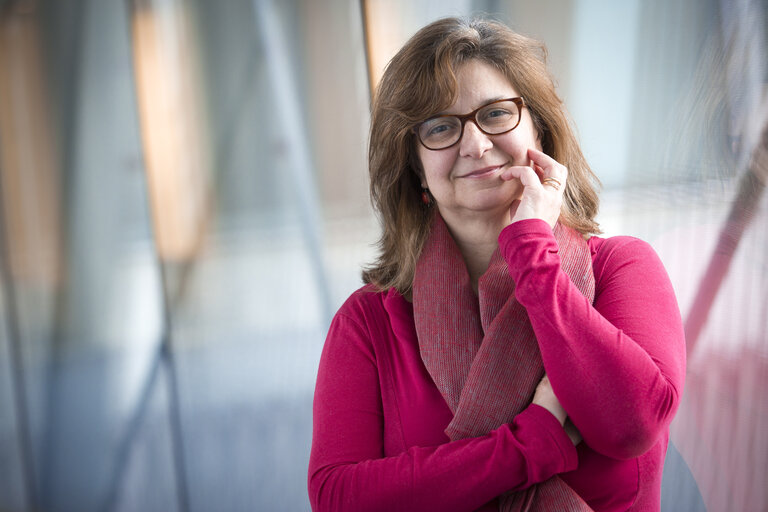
{"points": [[493, 119]]}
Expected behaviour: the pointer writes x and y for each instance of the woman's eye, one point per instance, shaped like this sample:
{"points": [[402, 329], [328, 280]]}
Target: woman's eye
{"points": [[440, 129], [496, 113]]}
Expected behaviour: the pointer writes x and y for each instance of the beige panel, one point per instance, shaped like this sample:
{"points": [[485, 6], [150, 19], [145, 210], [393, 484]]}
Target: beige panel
{"points": [[173, 127], [27, 150]]}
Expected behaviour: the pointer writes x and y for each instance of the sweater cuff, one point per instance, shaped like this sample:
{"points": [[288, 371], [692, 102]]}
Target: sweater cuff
{"points": [[522, 228], [548, 425], [528, 246]]}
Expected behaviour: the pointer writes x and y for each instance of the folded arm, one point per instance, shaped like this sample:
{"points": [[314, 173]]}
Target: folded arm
{"points": [[618, 365], [349, 470]]}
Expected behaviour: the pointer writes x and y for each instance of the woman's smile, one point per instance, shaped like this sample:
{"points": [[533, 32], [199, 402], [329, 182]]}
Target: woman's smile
{"points": [[485, 172]]}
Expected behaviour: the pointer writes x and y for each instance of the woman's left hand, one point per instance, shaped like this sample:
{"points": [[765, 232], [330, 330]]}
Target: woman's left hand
{"points": [[543, 187]]}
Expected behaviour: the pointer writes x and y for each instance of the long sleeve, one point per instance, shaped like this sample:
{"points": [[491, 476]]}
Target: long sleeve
{"points": [[348, 468], [618, 365]]}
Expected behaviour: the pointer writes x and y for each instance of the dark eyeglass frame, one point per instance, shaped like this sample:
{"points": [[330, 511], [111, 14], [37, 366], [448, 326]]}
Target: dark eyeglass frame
{"points": [[463, 118]]}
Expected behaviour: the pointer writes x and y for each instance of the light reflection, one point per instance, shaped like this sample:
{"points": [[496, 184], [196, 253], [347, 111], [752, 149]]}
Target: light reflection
{"points": [[173, 127]]}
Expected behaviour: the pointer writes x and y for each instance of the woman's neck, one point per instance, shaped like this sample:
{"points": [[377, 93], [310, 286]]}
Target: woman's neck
{"points": [[477, 240]]}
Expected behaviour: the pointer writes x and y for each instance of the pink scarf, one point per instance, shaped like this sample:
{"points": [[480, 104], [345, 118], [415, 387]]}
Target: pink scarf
{"points": [[481, 350]]}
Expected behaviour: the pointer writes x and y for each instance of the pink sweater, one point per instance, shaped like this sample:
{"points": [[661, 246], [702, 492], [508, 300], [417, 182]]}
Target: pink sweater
{"points": [[617, 367]]}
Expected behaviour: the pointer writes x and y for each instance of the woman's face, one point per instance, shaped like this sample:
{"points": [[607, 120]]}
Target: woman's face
{"points": [[464, 179]]}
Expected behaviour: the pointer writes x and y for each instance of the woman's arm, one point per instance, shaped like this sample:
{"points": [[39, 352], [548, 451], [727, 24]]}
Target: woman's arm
{"points": [[348, 469], [616, 366]]}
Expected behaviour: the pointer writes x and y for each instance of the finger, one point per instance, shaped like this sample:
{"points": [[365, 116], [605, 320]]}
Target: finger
{"points": [[542, 159], [525, 174], [511, 173], [554, 175], [549, 166]]}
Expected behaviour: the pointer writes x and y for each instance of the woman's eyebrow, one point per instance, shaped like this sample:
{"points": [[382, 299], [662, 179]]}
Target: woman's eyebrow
{"points": [[495, 98], [479, 105]]}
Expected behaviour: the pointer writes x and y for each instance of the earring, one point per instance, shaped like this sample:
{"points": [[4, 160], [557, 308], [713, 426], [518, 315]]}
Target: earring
{"points": [[425, 197]]}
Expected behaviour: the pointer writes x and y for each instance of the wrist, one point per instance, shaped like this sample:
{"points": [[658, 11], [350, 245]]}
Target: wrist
{"points": [[557, 411]]}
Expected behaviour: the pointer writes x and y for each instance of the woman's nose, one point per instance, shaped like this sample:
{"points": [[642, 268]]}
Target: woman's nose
{"points": [[474, 143]]}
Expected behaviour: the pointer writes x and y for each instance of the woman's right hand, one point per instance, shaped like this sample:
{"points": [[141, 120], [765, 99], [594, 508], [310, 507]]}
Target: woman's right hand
{"points": [[545, 397], [543, 188]]}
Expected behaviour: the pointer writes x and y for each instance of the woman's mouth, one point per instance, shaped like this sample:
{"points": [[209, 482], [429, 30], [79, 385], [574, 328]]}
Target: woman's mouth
{"points": [[485, 172]]}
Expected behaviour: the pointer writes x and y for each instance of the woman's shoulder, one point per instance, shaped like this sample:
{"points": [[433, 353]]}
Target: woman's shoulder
{"points": [[368, 319], [370, 303], [622, 252], [366, 298], [617, 245]]}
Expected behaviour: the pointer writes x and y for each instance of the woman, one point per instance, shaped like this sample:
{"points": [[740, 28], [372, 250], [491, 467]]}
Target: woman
{"points": [[494, 333]]}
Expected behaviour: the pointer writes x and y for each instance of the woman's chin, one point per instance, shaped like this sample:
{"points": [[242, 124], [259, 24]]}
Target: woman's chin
{"points": [[497, 199], [491, 208]]}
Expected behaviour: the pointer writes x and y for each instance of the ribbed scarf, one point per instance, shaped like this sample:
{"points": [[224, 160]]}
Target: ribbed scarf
{"points": [[481, 350]]}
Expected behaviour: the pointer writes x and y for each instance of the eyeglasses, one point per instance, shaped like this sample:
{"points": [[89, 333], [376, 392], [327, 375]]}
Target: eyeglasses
{"points": [[494, 118]]}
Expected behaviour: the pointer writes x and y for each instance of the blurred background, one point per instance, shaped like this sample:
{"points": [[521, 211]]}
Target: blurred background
{"points": [[183, 206]]}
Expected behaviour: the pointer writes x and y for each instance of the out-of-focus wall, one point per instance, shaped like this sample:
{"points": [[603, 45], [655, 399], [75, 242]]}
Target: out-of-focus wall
{"points": [[184, 205]]}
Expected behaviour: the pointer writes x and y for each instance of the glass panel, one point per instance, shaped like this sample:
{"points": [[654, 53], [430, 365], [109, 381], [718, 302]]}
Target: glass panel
{"points": [[275, 97], [15, 457], [86, 290]]}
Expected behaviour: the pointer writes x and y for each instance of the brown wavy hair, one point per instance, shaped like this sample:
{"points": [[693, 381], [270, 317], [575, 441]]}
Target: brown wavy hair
{"points": [[419, 82]]}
